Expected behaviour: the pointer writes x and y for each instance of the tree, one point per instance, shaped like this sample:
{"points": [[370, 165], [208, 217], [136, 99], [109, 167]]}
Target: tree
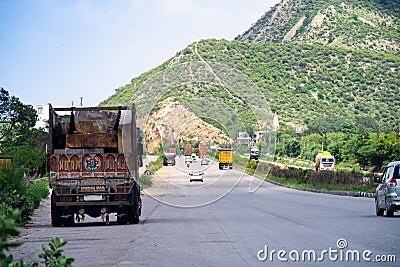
{"points": [[292, 148], [16, 118]]}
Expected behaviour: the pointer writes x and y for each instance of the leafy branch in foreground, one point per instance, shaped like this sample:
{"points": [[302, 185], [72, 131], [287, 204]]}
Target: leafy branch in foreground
{"points": [[51, 255]]}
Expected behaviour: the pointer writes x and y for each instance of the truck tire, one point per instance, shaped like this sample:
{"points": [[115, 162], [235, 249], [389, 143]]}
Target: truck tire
{"points": [[134, 210], [122, 219], [56, 213], [69, 221]]}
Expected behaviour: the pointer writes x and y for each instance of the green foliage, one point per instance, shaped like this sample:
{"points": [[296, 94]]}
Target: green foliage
{"points": [[145, 179], [13, 199], [28, 158], [16, 193], [8, 228], [51, 255], [353, 150], [15, 118], [291, 76], [353, 24], [37, 191]]}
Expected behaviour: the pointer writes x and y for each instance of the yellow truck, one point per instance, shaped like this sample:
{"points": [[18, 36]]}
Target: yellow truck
{"points": [[225, 158]]}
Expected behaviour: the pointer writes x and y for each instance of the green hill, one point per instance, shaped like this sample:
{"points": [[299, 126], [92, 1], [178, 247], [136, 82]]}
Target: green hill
{"points": [[358, 24], [303, 80]]}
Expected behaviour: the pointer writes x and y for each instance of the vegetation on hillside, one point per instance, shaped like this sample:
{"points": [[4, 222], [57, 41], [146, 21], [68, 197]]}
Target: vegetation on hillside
{"points": [[358, 24], [303, 83]]}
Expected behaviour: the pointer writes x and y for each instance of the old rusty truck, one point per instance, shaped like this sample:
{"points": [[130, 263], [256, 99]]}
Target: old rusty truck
{"points": [[93, 164], [324, 161]]}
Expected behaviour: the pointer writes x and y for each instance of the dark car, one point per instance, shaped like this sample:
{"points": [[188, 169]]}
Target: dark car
{"points": [[169, 159], [387, 194]]}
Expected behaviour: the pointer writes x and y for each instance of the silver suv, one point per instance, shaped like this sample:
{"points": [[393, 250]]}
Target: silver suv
{"points": [[387, 194]]}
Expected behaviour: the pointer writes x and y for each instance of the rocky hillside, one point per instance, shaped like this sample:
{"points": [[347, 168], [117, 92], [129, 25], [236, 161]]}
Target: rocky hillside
{"points": [[356, 24], [174, 124]]}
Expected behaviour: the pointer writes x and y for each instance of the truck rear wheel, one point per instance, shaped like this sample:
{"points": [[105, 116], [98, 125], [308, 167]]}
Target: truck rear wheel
{"points": [[56, 213], [134, 210]]}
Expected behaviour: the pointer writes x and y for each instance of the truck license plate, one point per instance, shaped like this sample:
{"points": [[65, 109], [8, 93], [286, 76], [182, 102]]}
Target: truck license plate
{"points": [[92, 198]]}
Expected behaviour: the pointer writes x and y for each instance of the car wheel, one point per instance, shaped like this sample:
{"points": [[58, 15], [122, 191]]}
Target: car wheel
{"points": [[389, 212], [379, 211]]}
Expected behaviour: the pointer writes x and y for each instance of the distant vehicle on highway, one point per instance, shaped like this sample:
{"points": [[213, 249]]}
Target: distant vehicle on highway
{"points": [[387, 194], [205, 161], [196, 176], [324, 161], [188, 159], [194, 157], [225, 158], [254, 153], [169, 159]]}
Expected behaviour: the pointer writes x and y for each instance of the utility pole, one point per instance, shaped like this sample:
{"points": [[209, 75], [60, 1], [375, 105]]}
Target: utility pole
{"points": [[81, 101]]}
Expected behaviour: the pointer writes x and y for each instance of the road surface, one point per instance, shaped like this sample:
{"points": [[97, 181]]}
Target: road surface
{"points": [[219, 223]]}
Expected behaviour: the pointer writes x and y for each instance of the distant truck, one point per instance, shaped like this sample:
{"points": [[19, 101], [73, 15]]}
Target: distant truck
{"points": [[254, 153], [93, 164], [324, 161], [188, 150], [169, 159], [225, 158], [172, 149], [201, 150]]}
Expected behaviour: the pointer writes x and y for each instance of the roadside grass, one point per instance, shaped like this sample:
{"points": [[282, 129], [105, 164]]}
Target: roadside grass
{"points": [[146, 178], [351, 181]]}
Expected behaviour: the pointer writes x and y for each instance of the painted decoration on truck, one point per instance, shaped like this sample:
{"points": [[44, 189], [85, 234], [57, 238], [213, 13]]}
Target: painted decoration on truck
{"points": [[53, 163], [121, 165], [63, 166], [110, 165], [74, 165], [53, 166], [92, 164]]}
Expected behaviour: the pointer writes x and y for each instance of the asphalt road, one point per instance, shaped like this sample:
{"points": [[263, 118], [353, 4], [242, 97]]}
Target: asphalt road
{"points": [[219, 223]]}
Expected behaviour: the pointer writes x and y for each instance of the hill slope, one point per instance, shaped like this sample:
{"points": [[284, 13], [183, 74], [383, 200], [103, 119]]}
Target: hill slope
{"points": [[359, 24], [353, 79], [300, 82]]}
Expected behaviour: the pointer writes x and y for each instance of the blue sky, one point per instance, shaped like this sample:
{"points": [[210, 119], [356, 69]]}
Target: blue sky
{"points": [[56, 51]]}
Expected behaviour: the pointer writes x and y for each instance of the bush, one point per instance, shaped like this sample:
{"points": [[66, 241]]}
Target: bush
{"points": [[15, 193], [318, 178], [339, 177], [12, 199], [38, 191]]}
